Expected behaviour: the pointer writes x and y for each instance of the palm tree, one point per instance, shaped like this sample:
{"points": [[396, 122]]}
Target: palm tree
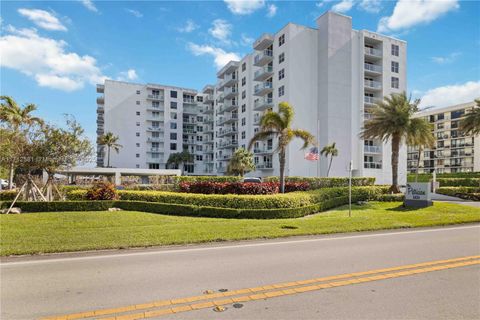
{"points": [[278, 124], [420, 135], [109, 140], [179, 158], [17, 118], [241, 162], [393, 120], [470, 125], [329, 150]]}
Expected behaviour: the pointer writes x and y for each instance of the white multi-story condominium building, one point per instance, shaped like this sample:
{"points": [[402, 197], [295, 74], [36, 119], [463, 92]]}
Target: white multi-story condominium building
{"points": [[332, 76], [453, 150], [152, 121]]}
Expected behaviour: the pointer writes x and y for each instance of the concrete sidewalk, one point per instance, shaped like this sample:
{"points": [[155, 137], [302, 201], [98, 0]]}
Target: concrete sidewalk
{"points": [[449, 199]]}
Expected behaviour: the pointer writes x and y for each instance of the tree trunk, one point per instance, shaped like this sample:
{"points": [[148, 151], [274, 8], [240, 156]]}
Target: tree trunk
{"points": [[108, 157], [395, 152], [418, 163], [10, 176], [281, 157], [329, 166]]}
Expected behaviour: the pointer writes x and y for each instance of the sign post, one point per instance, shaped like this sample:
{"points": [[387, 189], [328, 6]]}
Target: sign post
{"points": [[350, 189], [418, 195]]}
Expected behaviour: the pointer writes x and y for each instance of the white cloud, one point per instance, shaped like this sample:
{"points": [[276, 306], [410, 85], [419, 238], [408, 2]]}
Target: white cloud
{"points": [[246, 40], [372, 6], [271, 10], [343, 6], [221, 58], [243, 7], [89, 5], [408, 13], [451, 95], [447, 59], [135, 13], [189, 26], [47, 61], [43, 19], [221, 30], [130, 74]]}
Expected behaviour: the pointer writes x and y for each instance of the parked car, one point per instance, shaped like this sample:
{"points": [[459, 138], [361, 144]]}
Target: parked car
{"points": [[4, 184], [252, 180]]}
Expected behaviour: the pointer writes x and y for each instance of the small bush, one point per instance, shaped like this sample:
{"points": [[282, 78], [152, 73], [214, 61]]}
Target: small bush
{"points": [[102, 191], [318, 183], [8, 195], [156, 187]]}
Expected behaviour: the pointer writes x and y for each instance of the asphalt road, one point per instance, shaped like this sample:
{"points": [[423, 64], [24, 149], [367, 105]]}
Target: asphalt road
{"points": [[63, 284]]}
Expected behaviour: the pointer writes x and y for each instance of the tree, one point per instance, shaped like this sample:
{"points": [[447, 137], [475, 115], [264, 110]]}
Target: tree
{"points": [[109, 140], [470, 125], [278, 124], [18, 120], [329, 150], [241, 162], [420, 135], [179, 158], [393, 120]]}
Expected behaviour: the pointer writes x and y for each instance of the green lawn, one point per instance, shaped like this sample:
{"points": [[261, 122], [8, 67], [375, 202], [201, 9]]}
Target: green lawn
{"points": [[73, 231]]}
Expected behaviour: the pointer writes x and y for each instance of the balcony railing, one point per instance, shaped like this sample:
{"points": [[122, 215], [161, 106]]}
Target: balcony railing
{"points": [[159, 129], [373, 52], [262, 150], [262, 104], [373, 67], [372, 149], [264, 166], [263, 73], [370, 100], [373, 84], [155, 97], [189, 100], [263, 88], [263, 58], [156, 139], [101, 100], [227, 131], [372, 165]]}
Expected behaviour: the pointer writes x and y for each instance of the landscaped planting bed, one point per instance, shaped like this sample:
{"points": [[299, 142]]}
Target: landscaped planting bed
{"points": [[467, 193]]}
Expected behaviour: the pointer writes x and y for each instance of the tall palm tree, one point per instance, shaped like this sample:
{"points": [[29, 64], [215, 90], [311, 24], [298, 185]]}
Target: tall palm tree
{"points": [[19, 120], [420, 135], [278, 124], [109, 140], [178, 159], [393, 120], [329, 150], [470, 125], [241, 162]]}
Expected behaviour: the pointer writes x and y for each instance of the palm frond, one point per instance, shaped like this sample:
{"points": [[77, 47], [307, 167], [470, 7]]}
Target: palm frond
{"points": [[261, 135], [307, 137]]}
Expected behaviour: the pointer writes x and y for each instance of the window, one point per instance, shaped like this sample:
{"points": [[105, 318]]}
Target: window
{"points": [[138, 145], [395, 83], [137, 113], [138, 91], [137, 134], [199, 98], [173, 115], [138, 124], [199, 157], [244, 121], [137, 166], [153, 166], [244, 66], [155, 134], [395, 50], [199, 129], [244, 81], [173, 136], [173, 105], [244, 107], [173, 94], [457, 114], [281, 91], [244, 134], [173, 125], [173, 146], [138, 103], [395, 66], [281, 40], [281, 74], [281, 57], [244, 94], [199, 139], [137, 155]]}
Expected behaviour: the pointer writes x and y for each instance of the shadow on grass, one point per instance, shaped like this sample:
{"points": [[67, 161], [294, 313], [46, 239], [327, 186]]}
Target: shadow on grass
{"points": [[402, 208]]}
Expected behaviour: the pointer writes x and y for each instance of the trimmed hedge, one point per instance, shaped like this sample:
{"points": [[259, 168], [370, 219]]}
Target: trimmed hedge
{"points": [[40, 206], [318, 183], [427, 177], [467, 193], [7, 195], [459, 182]]}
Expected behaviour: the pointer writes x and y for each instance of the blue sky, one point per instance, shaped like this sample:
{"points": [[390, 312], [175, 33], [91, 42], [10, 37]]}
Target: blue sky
{"points": [[52, 53]]}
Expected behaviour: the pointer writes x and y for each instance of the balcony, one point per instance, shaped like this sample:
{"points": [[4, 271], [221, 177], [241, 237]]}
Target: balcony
{"points": [[230, 92], [226, 132], [190, 110], [155, 160], [372, 69], [263, 88], [372, 149], [263, 104], [373, 52], [372, 84], [155, 108], [101, 100], [100, 110], [155, 139], [227, 119], [230, 105], [155, 129], [225, 157], [100, 88], [208, 129], [208, 120], [263, 58], [372, 165], [220, 97], [368, 116], [263, 150], [262, 43], [156, 97], [208, 150], [189, 101], [151, 117], [370, 100], [228, 144], [263, 73], [221, 169], [155, 150], [256, 120], [189, 131], [264, 166], [209, 98], [208, 110], [188, 141], [230, 79]]}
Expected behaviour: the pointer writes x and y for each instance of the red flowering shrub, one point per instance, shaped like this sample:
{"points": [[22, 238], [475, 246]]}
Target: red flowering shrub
{"points": [[102, 191], [240, 187]]}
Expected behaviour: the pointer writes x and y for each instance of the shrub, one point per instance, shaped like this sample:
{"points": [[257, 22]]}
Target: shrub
{"points": [[318, 183], [459, 182], [41, 206], [229, 187], [467, 193], [156, 187], [426, 177], [102, 191], [8, 195]]}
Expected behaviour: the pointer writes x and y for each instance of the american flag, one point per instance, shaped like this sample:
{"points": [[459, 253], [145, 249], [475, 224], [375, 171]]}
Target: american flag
{"points": [[312, 154]]}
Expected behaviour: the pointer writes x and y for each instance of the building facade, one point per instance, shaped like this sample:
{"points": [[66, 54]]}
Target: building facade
{"points": [[332, 75], [453, 150]]}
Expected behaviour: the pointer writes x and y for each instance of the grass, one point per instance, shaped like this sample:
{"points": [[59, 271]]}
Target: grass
{"points": [[35, 233]]}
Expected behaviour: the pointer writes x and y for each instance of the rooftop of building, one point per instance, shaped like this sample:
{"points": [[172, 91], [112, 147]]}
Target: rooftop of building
{"points": [[432, 110]]}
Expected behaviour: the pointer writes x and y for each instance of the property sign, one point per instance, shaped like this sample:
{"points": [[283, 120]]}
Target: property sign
{"points": [[418, 195]]}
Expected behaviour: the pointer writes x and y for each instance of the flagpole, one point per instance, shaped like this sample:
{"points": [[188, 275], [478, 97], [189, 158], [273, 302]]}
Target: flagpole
{"points": [[318, 135]]}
